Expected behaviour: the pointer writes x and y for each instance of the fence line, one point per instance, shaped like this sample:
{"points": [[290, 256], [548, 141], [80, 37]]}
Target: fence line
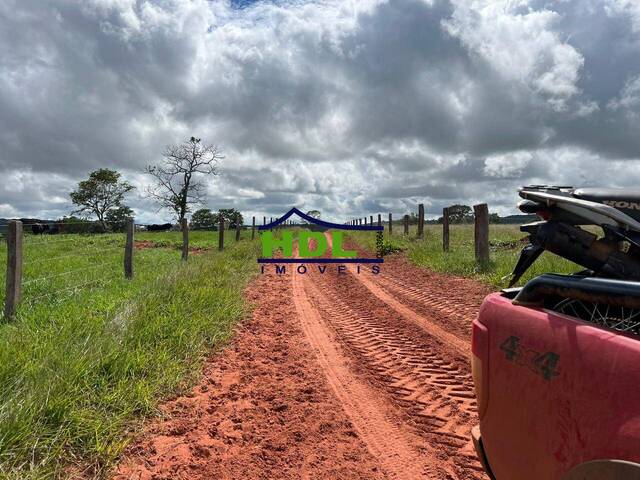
{"points": [[14, 269], [481, 233], [185, 239], [74, 288], [77, 237], [445, 229], [93, 250], [55, 275], [16, 244], [481, 228], [19, 243], [88, 222]]}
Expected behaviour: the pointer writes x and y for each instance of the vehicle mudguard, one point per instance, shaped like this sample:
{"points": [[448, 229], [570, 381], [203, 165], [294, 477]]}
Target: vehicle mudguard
{"points": [[604, 470]]}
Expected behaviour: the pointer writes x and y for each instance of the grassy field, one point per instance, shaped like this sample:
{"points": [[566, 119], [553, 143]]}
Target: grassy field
{"points": [[506, 243], [91, 352]]}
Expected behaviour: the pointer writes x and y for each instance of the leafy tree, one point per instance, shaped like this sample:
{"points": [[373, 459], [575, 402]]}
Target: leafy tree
{"points": [[314, 213], [179, 181], [101, 192], [204, 218], [460, 214], [231, 217], [494, 218], [117, 218]]}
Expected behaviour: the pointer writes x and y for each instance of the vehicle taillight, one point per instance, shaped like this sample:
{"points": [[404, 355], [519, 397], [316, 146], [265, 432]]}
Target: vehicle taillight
{"points": [[544, 214], [480, 365]]}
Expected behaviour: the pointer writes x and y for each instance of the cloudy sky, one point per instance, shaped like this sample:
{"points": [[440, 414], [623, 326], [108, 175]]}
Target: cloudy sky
{"points": [[349, 107]]}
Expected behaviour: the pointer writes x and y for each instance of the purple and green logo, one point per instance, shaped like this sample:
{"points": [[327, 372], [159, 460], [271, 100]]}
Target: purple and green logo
{"points": [[315, 240]]}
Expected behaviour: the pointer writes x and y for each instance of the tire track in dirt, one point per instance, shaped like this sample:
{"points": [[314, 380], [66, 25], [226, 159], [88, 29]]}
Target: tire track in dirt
{"points": [[429, 385], [439, 300], [463, 347], [418, 366], [446, 300], [393, 447], [437, 305]]}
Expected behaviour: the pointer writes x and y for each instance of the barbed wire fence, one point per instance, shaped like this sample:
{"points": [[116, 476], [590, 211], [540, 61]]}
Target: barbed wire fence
{"points": [[54, 260], [51, 261], [480, 220]]}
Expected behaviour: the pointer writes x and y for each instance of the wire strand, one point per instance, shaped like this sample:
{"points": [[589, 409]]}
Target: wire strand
{"points": [[64, 240], [86, 222], [40, 279], [79, 255], [75, 287]]}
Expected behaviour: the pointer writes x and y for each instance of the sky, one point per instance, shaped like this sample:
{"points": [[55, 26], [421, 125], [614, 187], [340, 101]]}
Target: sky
{"points": [[348, 107]]}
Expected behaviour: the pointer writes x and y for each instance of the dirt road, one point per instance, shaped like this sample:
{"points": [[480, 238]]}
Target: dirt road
{"points": [[337, 375]]}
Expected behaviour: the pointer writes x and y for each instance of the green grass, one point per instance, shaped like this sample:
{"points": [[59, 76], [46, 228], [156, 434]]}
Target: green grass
{"points": [[77, 367], [505, 249]]}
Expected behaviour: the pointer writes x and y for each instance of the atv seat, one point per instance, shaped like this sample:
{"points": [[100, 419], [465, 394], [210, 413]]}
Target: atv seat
{"points": [[629, 195]]}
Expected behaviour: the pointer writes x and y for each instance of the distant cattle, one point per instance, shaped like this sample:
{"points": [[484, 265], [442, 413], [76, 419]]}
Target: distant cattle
{"points": [[42, 228], [159, 228], [39, 228]]}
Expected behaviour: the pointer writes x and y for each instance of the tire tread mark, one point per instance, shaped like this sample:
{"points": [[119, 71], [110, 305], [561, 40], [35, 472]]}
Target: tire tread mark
{"points": [[430, 389]]}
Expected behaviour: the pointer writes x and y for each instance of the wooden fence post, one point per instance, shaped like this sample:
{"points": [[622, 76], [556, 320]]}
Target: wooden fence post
{"points": [[390, 224], [14, 269], [264, 220], [185, 239], [253, 229], [481, 213], [371, 220], [221, 234], [238, 229], [128, 250], [445, 229], [406, 224], [379, 220], [421, 221]]}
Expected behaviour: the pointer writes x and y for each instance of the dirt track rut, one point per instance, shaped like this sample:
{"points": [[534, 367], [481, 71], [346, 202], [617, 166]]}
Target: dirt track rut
{"points": [[419, 370], [387, 358]]}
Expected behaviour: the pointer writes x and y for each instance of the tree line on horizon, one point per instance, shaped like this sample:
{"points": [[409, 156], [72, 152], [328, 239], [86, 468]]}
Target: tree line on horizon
{"points": [[463, 214]]}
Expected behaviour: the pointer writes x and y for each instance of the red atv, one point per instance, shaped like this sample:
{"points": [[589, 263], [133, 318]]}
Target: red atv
{"points": [[556, 364]]}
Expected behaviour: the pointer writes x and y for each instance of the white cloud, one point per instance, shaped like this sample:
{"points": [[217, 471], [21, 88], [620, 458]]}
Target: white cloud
{"points": [[507, 165], [627, 8], [629, 99], [520, 44]]}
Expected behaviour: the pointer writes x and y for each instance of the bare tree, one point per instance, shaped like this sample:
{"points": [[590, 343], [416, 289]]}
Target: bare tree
{"points": [[179, 179]]}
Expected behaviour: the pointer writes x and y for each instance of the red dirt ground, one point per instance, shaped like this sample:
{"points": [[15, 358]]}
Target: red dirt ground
{"points": [[143, 244], [341, 375]]}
